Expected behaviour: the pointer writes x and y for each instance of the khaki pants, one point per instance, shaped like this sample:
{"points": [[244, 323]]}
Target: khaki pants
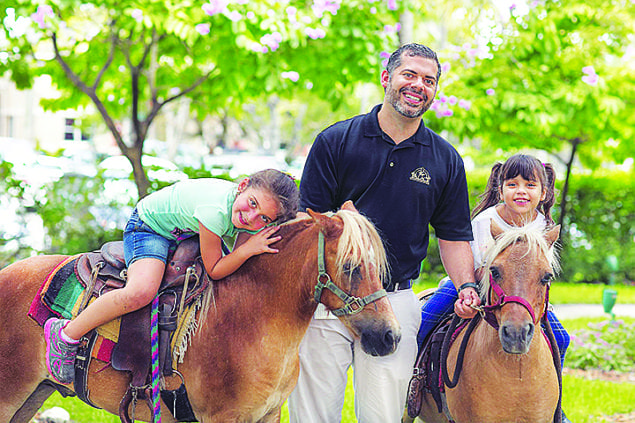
{"points": [[381, 383]]}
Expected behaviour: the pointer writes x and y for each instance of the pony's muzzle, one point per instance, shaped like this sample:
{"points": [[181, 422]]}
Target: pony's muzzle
{"points": [[516, 339], [380, 342]]}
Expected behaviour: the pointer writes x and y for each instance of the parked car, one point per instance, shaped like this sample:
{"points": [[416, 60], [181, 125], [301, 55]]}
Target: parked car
{"points": [[119, 167], [242, 163]]}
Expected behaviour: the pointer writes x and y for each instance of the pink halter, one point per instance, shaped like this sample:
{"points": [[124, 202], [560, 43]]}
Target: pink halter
{"points": [[487, 311]]}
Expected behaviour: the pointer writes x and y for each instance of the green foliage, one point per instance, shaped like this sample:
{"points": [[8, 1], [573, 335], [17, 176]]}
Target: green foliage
{"points": [[609, 345], [76, 217], [601, 223]]}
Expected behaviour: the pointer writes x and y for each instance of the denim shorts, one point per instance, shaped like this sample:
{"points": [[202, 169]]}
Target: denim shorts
{"points": [[140, 241]]}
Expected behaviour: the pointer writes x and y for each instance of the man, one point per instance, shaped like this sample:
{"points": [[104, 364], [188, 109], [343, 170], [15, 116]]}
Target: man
{"points": [[402, 176]]}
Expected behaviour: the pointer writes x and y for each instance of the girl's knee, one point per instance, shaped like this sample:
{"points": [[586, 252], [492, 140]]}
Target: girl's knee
{"points": [[138, 298]]}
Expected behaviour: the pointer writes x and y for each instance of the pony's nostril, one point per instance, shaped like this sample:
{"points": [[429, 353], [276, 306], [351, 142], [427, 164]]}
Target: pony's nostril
{"points": [[530, 330], [389, 338], [505, 332]]}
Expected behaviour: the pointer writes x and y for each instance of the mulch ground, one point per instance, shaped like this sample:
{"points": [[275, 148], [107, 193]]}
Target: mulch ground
{"points": [[610, 376]]}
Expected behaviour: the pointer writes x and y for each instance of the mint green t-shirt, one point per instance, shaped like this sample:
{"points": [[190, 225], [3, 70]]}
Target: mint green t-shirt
{"points": [[176, 210]]}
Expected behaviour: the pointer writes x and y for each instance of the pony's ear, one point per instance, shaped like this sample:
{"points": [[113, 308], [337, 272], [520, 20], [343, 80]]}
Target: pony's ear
{"points": [[495, 230], [328, 225], [348, 205], [553, 234]]}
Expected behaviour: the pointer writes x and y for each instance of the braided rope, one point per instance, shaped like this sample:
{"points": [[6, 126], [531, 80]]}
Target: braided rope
{"points": [[154, 330]]}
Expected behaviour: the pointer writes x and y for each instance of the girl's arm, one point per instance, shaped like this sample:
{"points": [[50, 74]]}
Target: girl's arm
{"points": [[219, 266]]}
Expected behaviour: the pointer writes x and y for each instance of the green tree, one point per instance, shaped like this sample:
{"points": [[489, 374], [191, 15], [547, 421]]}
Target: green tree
{"points": [[558, 76], [130, 60]]}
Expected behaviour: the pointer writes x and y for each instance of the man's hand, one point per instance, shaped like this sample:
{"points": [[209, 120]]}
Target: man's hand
{"points": [[467, 297]]}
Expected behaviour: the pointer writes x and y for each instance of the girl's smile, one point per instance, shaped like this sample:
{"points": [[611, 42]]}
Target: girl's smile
{"points": [[521, 199], [253, 208]]}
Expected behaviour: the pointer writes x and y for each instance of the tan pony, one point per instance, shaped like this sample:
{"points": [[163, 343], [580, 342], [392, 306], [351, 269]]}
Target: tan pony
{"points": [[243, 360], [508, 375]]}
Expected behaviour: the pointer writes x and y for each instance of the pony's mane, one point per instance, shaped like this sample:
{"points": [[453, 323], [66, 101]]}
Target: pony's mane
{"points": [[532, 236], [360, 244]]}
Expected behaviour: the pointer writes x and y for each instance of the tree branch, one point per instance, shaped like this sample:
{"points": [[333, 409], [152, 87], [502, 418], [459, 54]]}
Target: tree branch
{"points": [[90, 92], [111, 55]]}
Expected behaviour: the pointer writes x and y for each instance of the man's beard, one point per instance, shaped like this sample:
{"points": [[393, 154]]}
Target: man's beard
{"points": [[394, 99]]}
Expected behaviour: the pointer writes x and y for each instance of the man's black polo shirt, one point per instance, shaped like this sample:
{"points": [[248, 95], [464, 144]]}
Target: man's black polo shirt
{"points": [[400, 188]]}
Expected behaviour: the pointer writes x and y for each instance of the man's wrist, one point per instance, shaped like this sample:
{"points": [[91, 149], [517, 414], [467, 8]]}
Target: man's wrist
{"points": [[468, 285]]}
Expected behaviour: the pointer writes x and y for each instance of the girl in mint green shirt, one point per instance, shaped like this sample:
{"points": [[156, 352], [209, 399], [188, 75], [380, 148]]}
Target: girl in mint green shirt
{"points": [[212, 208]]}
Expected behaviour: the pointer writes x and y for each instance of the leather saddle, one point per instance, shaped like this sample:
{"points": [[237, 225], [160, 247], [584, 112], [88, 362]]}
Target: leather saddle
{"points": [[184, 280], [427, 371]]}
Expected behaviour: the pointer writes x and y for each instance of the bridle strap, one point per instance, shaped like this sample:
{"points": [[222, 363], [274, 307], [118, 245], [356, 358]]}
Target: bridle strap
{"points": [[352, 304], [487, 311]]}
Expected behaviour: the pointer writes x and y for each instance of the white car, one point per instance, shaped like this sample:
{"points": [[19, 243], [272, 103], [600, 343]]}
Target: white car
{"points": [[243, 163], [119, 167]]}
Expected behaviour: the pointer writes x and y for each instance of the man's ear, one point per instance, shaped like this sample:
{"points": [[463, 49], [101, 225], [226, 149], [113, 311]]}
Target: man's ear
{"points": [[384, 78]]}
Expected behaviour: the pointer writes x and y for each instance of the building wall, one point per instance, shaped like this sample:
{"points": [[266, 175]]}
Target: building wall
{"points": [[22, 117]]}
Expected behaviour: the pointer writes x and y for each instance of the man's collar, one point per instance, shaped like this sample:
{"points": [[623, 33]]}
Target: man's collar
{"points": [[372, 129]]}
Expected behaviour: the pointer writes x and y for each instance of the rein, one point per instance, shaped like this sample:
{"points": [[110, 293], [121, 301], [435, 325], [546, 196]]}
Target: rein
{"points": [[352, 304]]}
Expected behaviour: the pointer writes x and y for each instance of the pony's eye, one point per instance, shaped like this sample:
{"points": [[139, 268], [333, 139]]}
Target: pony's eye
{"points": [[546, 279], [496, 274], [351, 270]]}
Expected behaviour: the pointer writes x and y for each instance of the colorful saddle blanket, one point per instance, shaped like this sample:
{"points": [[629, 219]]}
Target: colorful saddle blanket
{"points": [[62, 294]]}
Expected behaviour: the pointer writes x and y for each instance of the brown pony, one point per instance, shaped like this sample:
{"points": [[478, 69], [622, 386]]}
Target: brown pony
{"points": [[509, 374], [242, 363]]}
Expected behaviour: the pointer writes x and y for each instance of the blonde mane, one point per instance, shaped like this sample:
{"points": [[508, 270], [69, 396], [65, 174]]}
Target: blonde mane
{"points": [[536, 243], [360, 243]]}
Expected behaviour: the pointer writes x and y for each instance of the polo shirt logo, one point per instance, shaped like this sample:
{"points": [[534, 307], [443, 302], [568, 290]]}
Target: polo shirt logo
{"points": [[420, 175]]}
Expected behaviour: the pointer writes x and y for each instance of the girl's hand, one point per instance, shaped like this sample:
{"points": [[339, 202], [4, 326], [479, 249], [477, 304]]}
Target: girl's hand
{"points": [[260, 242], [462, 307]]}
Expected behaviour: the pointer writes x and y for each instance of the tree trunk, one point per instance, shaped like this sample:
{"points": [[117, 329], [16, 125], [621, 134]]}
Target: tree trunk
{"points": [[565, 188]]}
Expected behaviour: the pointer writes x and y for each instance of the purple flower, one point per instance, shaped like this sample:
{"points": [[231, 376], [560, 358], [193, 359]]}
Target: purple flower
{"points": [[234, 16], [465, 104], [590, 79], [215, 6], [452, 100], [589, 70], [384, 55], [137, 15], [291, 75], [447, 113], [40, 15], [314, 34], [445, 67], [490, 91], [392, 4], [321, 6], [203, 28]]}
